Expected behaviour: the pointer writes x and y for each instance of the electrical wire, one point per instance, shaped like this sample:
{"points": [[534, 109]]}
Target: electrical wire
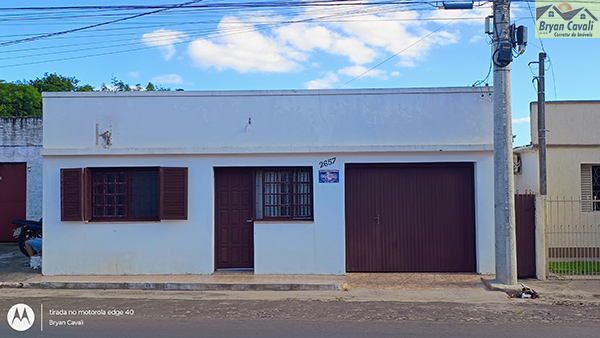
{"points": [[92, 26], [398, 53], [292, 7], [222, 33]]}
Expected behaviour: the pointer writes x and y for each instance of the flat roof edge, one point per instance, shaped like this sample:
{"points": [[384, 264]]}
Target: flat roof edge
{"points": [[290, 92]]}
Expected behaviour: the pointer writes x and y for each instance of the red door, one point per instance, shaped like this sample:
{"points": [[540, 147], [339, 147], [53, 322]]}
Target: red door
{"points": [[234, 240], [13, 197]]}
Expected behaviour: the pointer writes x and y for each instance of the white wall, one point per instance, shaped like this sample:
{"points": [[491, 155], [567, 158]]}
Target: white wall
{"points": [[298, 121], [528, 182], [202, 131]]}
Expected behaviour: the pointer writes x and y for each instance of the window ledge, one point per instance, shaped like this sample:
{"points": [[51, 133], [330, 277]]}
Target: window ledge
{"points": [[263, 222], [121, 222]]}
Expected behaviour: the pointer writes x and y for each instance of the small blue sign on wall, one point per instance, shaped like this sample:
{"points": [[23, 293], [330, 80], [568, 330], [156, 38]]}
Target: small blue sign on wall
{"points": [[329, 176]]}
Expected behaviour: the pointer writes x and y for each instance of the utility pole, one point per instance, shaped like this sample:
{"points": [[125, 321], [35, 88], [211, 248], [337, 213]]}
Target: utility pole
{"points": [[542, 124], [504, 202]]}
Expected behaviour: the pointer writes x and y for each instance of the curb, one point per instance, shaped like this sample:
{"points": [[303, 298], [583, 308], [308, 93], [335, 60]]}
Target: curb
{"points": [[174, 286], [493, 285], [11, 285]]}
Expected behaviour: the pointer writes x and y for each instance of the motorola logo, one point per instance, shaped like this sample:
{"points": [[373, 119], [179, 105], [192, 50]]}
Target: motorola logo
{"points": [[20, 317]]}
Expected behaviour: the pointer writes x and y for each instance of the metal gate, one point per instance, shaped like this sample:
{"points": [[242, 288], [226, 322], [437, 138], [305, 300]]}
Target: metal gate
{"points": [[410, 217], [573, 238]]}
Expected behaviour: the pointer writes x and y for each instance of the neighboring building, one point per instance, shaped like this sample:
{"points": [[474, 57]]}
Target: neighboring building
{"points": [[570, 230], [278, 182], [20, 171], [572, 151]]}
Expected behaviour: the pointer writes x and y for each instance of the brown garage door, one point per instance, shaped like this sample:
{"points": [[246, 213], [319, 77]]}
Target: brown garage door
{"points": [[410, 217], [13, 197]]}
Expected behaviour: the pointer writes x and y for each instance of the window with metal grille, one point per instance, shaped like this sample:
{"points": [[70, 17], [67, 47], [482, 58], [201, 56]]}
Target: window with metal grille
{"points": [[127, 193], [596, 187], [284, 193], [590, 187], [123, 194]]}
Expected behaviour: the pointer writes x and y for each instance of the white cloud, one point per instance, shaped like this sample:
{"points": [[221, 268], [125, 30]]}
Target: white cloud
{"points": [[476, 38], [370, 36], [354, 49], [399, 32], [308, 38], [134, 75], [305, 37], [167, 79], [324, 83], [521, 120], [164, 39], [395, 74], [246, 52], [361, 71]]}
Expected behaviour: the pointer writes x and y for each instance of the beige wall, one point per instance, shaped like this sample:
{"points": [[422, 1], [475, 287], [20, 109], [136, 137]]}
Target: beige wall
{"points": [[573, 139], [569, 122]]}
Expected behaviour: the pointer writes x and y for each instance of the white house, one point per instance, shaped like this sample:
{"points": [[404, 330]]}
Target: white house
{"points": [[278, 182]]}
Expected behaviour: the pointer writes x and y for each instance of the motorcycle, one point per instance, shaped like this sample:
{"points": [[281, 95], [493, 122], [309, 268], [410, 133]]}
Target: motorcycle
{"points": [[26, 230]]}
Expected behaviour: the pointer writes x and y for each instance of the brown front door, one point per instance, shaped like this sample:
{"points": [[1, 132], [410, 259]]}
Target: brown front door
{"points": [[13, 197], [525, 234], [410, 218], [234, 240]]}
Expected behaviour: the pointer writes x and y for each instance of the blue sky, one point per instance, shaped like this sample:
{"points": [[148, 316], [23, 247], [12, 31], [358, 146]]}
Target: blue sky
{"points": [[229, 46]]}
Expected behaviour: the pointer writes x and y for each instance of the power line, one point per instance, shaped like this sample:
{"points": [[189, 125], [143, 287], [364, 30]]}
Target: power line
{"points": [[3, 44], [398, 53], [334, 15]]}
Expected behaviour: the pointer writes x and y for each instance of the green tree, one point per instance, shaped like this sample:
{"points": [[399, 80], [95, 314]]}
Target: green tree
{"points": [[55, 83], [117, 86], [86, 88], [120, 86], [19, 99]]}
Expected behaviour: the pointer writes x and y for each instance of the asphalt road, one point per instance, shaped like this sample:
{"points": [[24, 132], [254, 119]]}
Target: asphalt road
{"points": [[198, 314], [219, 328]]}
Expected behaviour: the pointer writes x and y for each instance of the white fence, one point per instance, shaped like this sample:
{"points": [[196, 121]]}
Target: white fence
{"points": [[573, 238]]}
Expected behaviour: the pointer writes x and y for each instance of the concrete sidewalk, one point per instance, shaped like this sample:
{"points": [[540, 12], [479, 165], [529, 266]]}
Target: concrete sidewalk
{"points": [[243, 280], [15, 273], [398, 287], [382, 286]]}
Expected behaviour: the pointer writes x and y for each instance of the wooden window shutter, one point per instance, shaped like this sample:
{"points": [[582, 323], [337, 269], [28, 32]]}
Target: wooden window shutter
{"points": [[71, 194], [586, 188], [173, 193]]}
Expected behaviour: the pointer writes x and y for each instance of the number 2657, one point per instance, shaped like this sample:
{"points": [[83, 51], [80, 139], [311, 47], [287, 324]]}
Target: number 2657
{"points": [[327, 162]]}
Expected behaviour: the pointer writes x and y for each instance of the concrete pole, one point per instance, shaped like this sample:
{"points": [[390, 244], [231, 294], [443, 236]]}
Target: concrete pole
{"points": [[542, 124], [504, 209]]}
